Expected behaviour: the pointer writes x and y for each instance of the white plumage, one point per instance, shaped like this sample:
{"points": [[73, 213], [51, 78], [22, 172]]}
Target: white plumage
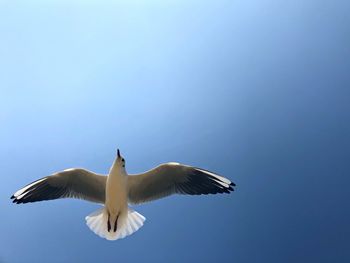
{"points": [[115, 219]]}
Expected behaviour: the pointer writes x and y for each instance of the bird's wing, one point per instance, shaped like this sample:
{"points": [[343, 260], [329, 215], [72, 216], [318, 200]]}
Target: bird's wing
{"points": [[70, 183], [171, 178]]}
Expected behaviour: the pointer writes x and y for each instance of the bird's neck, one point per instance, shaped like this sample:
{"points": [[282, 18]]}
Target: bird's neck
{"points": [[117, 170]]}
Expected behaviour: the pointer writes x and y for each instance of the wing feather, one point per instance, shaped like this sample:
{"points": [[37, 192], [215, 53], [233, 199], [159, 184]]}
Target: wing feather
{"points": [[174, 178], [71, 183]]}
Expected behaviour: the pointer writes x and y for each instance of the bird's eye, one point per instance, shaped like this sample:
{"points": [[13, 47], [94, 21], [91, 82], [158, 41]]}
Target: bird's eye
{"points": [[123, 160]]}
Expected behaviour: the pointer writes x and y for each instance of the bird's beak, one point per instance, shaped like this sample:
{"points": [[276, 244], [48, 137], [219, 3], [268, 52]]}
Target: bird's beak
{"points": [[118, 153]]}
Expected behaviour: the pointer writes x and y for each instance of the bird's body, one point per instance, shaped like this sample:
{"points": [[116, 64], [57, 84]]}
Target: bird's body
{"points": [[116, 203], [115, 219]]}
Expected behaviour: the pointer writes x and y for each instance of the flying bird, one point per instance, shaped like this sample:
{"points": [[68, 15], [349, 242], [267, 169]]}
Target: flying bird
{"points": [[115, 219]]}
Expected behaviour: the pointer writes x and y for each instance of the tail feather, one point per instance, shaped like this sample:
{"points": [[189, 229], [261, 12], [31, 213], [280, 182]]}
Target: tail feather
{"points": [[97, 222]]}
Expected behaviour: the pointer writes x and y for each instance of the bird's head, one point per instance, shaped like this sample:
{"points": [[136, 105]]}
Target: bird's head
{"points": [[120, 161], [118, 165]]}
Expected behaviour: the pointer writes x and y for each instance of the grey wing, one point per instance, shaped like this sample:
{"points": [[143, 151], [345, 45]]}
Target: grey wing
{"points": [[174, 178], [70, 183]]}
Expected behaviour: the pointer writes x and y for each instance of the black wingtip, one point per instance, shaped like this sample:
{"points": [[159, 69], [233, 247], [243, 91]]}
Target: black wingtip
{"points": [[12, 197], [226, 190]]}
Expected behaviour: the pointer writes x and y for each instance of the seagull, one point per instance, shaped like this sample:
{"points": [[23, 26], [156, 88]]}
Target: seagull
{"points": [[116, 220]]}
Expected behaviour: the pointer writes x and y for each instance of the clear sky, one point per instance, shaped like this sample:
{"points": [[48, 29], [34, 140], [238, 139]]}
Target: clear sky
{"points": [[255, 90]]}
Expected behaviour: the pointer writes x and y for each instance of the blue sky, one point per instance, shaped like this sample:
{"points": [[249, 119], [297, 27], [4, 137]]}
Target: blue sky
{"points": [[257, 91]]}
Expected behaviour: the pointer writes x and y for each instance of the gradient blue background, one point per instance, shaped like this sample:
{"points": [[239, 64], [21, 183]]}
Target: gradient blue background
{"points": [[257, 91]]}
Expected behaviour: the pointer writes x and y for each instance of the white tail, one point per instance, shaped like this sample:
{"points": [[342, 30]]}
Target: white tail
{"points": [[97, 222]]}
